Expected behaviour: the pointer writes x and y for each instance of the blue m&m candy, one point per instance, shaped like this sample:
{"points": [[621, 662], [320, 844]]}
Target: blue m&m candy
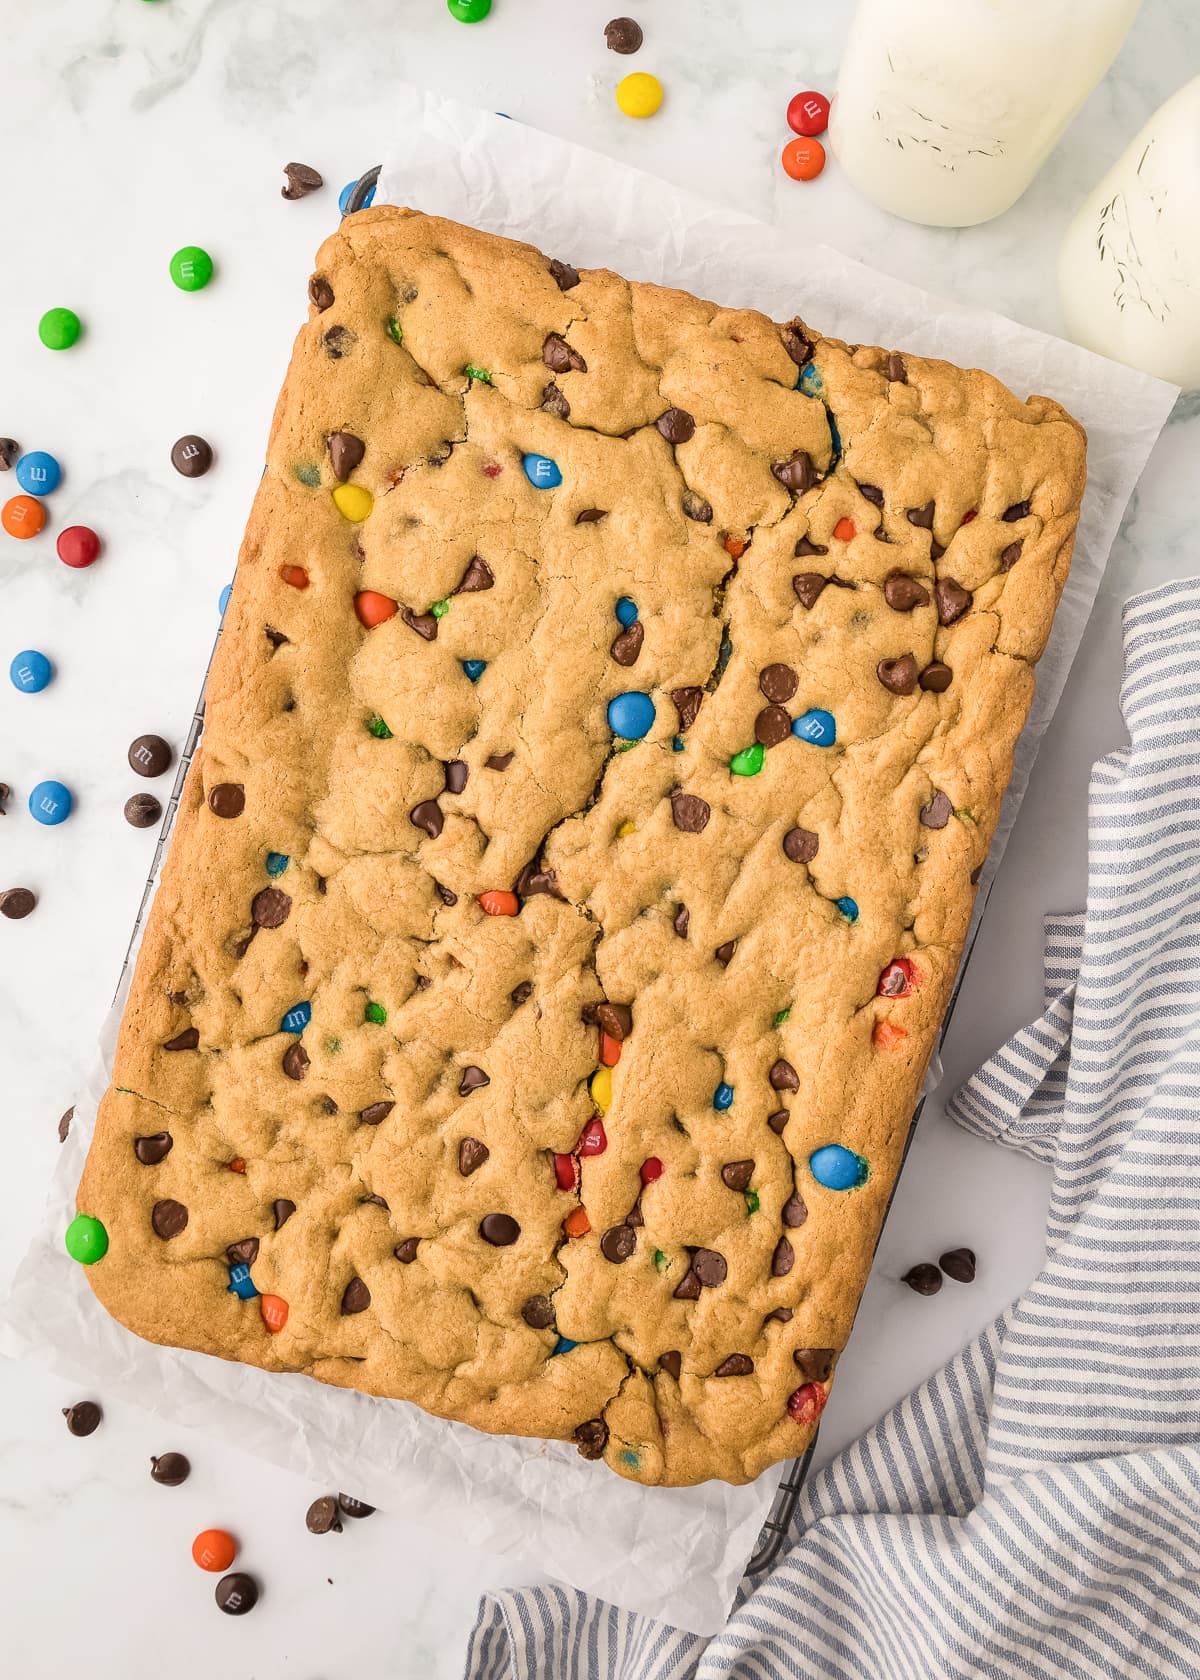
{"points": [[297, 1018], [723, 1097], [541, 472], [848, 908], [474, 668], [277, 862], [631, 715], [344, 197], [50, 803], [838, 1168], [38, 474], [626, 611], [564, 1344], [817, 727], [30, 671], [223, 599], [810, 381], [240, 1283]]}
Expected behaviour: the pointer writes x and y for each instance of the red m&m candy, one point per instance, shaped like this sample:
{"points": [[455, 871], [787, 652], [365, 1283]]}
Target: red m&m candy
{"points": [[803, 160], [808, 113], [78, 546]]}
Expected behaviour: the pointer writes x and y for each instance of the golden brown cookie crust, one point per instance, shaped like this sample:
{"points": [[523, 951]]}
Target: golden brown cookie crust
{"points": [[907, 582]]}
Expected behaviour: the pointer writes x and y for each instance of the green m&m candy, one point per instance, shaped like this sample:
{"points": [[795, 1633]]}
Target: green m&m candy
{"points": [[86, 1239], [469, 11], [191, 268], [749, 761], [58, 329]]}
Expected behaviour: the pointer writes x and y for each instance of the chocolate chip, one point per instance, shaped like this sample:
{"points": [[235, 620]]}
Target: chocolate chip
{"points": [[5, 791], [797, 342], [808, 586], [227, 799], [680, 920], [635, 1217], [690, 812], [351, 1507], [898, 676], [338, 341], [959, 1264], [64, 1125], [188, 1039], [356, 1297], [794, 1212], [952, 600], [735, 1365], [806, 547], [1018, 510], [191, 455], [301, 180], [783, 1259], [936, 677], [243, 1253], [427, 816], [628, 643], [815, 1364], [276, 638], [538, 1312], [83, 1418], [565, 276], [687, 703], [471, 1155], [328, 1106], [709, 1267], [373, 1201], [425, 624], [168, 1219], [938, 811], [591, 1438], [925, 1278], [559, 356], [797, 473], [921, 517], [902, 592], [616, 1020], [781, 1315], [676, 425], [521, 993], [778, 1121], [499, 1229], [282, 1210], [671, 1363], [535, 879], [295, 1061], [375, 1113], [320, 292], [777, 683], [783, 1076], [323, 1516], [1010, 555], [406, 1251], [618, 1243], [477, 577], [455, 773], [153, 1148], [724, 953], [499, 761], [591, 516], [736, 1175], [170, 1469], [345, 453], [17, 903], [447, 897], [772, 725], [10, 453], [270, 908], [236, 1594], [872, 492], [896, 370], [801, 845], [935, 548], [688, 1289], [623, 35], [555, 402]]}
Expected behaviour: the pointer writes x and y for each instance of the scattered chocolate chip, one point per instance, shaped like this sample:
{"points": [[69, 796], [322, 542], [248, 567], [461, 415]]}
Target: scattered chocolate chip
{"points": [[168, 1219], [815, 1364], [628, 643], [227, 799], [406, 1251], [356, 1297], [425, 624], [243, 1253], [959, 1264], [783, 1076], [709, 1267], [801, 845], [680, 920], [301, 180], [142, 811], [320, 292], [17, 903], [559, 356], [10, 453], [323, 1516], [735, 1365], [498, 761], [902, 592], [808, 587], [898, 676], [338, 342], [777, 683], [64, 1125], [152, 1149], [938, 811], [616, 1020], [192, 456], [345, 453], [565, 277], [591, 516], [952, 600], [618, 1243], [724, 953], [236, 1594], [188, 1039], [671, 1363], [447, 897], [690, 812], [535, 879], [797, 473], [783, 1259], [676, 425], [925, 1278], [455, 773], [83, 1418], [1010, 555], [351, 1507], [282, 1210], [921, 517], [687, 703], [471, 1155], [688, 1288], [555, 402], [591, 1438], [270, 908], [896, 370], [170, 1469], [781, 1315], [499, 1229], [623, 35], [295, 1061], [772, 725], [794, 1212], [736, 1175], [936, 677], [5, 790], [375, 1113], [427, 816], [521, 993], [1018, 510], [538, 1312], [797, 342], [778, 1121], [805, 547]]}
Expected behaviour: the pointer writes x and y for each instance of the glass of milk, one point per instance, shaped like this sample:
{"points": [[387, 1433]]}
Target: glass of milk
{"points": [[946, 109]]}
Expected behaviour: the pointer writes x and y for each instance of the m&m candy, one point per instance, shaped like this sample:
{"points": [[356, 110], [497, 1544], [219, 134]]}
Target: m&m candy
{"points": [[631, 715], [59, 329], [223, 599], [808, 113], [240, 1282], [474, 668], [541, 471], [191, 268], [22, 516], [30, 671], [274, 1310], [626, 612], [640, 94], [344, 198], [816, 726], [803, 160], [214, 1550], [39, 473], [723, 1097], [78, 546], [86, 1239], [469, 11], [838, 1168], [50, 804], [297, 1018], [847, 908], [353, 501]]}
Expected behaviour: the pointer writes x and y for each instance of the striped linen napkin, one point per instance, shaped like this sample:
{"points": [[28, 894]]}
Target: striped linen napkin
{"points": [[1034, 1508]]}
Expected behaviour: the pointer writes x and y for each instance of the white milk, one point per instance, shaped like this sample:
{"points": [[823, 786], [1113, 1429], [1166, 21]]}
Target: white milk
{"points": [[1129, 272], [947, 109]]}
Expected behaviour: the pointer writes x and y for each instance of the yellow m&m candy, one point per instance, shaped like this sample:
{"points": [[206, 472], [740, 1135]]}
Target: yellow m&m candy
{"points": [[639, 95]]}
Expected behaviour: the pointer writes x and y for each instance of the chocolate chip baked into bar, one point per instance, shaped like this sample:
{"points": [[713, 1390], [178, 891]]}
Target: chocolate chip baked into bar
{"points": [[607, 731]]}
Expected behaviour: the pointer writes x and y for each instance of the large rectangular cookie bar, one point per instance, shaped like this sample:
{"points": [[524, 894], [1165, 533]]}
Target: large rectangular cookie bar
{"points": [[608, 727]]}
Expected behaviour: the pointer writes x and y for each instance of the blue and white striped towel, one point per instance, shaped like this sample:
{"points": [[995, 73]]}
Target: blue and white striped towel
{"points": [[1034, 1508]]}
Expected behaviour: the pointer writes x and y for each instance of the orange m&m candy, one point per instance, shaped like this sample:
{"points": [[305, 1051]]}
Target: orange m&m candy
{"points": [[295, 575], [373, 608], [845, 530], [274, 1310], [499, 903], [214, 1550], [888, 1036], [22, 516], [577, 1223], [803, 160]]}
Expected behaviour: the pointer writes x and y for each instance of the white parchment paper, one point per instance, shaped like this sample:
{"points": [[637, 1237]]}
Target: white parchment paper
{"points": [[672, 1553]]}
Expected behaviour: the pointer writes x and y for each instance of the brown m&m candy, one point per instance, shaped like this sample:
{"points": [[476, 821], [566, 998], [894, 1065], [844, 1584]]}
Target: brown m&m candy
{"points": [[192, 456], [623, 35], [149, 755]]}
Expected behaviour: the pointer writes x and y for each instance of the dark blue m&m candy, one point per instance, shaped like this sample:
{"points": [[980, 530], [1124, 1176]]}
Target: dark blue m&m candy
{"points": [[626, 611], [474, 668], [723, 1097], [297, 1018], [241, 1284]]}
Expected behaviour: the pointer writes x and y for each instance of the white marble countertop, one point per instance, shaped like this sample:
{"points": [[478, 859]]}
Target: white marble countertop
{"points": [[129, 129]]}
